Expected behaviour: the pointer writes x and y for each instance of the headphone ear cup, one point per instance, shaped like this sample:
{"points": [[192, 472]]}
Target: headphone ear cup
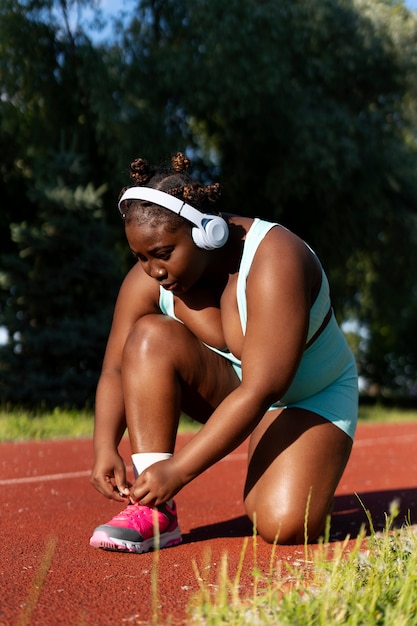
{"points": [[217, 231], [213, 233]]}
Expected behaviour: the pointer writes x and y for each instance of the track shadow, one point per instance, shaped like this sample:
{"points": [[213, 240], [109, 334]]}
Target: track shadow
{"points": [[349, 514], [235, 527], [348, 517]]}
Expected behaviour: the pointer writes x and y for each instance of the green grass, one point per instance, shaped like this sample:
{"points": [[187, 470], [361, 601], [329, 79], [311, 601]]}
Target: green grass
{"points": [[21, 425], [369, 582], [378, 413]]}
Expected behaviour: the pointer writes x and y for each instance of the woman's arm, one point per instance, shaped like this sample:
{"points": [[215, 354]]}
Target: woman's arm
{"points": [[138, 296]]}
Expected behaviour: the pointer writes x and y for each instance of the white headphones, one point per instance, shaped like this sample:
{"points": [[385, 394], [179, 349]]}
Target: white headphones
{"points": [[210, 231]]}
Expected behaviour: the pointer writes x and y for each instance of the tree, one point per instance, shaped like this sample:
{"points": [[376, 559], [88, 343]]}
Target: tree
{"points": [[59, 294], [59, 267], [304, 109], [307, 111]]}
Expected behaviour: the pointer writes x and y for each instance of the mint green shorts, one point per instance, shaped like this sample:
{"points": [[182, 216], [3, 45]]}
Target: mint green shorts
{"points": [[326, 381]]}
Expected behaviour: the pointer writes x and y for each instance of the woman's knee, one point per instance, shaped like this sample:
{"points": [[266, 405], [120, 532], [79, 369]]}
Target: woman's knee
{"points": [[291, 526], [149, 335]]}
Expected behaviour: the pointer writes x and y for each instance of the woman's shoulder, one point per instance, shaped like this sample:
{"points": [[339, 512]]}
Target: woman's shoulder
{"points": [[284, 240], [256, 228], [285, 257]]}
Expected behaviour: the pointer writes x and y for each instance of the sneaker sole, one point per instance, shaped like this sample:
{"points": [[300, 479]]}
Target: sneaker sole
{"points": [[101, 539]]}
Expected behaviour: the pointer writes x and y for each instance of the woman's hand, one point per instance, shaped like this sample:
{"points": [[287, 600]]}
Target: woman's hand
{"points": [[109, 476], [157, 484]]}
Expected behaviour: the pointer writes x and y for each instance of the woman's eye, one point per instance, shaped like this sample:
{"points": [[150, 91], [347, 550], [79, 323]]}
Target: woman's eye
{"points": [[164, 255]]}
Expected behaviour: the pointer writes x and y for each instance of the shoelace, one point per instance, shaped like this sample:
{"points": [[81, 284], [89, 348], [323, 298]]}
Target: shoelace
{"points": [[132, 510]]}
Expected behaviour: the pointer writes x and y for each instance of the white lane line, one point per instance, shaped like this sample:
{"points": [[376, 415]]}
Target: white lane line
{"points": [[65, 476], [234, 456], [44, 478]]}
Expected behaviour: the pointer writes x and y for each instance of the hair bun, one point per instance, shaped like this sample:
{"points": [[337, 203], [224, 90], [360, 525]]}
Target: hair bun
{"points": [[140, 171], [213, 192], [180, 162], [174, 180]]}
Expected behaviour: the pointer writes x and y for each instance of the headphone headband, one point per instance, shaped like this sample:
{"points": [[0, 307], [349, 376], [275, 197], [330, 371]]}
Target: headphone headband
{"points": [[209, 232], [164, 200]]}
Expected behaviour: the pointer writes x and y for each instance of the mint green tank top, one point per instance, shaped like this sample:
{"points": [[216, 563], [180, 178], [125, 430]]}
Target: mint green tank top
{"points": [[254, 237]]}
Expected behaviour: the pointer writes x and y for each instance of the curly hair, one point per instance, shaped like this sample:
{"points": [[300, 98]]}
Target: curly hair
{"points": [[174, 181]]}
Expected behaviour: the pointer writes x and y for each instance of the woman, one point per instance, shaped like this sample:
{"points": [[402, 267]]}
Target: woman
{"points": [[228, 319]]}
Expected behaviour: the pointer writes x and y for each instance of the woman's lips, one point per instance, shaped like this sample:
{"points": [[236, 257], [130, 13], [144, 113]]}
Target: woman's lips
{"points": [[170, 286]]}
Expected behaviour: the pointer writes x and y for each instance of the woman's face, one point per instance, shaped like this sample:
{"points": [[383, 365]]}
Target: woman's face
{"points": [[171, 258]]}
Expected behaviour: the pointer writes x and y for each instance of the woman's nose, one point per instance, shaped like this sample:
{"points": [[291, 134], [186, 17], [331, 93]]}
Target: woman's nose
{"points": [[158, 272]]}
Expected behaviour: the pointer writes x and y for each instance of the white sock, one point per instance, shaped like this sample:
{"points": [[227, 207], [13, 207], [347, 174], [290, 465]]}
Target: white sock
{"points": [[142, 460]]}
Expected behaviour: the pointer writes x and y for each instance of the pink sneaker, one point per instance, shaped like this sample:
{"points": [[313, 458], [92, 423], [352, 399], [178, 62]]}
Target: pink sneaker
{"points": [[133, 530]]}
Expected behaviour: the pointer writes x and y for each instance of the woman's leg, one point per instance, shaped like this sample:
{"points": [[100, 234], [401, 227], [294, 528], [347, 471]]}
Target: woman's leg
{"points": [[166, 370], [296, 460]]}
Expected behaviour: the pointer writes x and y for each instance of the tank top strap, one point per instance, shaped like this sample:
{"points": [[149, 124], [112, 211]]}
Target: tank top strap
{"points": [[166, 302], [254, 236]]}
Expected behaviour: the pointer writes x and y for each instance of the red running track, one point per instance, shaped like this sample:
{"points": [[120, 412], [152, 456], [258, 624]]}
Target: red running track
{"points": [[49, 575]]}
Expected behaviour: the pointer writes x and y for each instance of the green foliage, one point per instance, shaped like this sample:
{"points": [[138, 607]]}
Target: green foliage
{"points": [[306, 110], [58, 295], [60, 269]]}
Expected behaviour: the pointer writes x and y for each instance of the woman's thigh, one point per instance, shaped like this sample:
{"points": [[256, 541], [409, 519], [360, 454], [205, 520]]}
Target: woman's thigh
{"points": [[166, 358], [296, 460]]}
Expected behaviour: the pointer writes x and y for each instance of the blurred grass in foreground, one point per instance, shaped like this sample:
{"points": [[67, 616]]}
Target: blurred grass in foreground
{"points": [[20, 425], [370, 581]]}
